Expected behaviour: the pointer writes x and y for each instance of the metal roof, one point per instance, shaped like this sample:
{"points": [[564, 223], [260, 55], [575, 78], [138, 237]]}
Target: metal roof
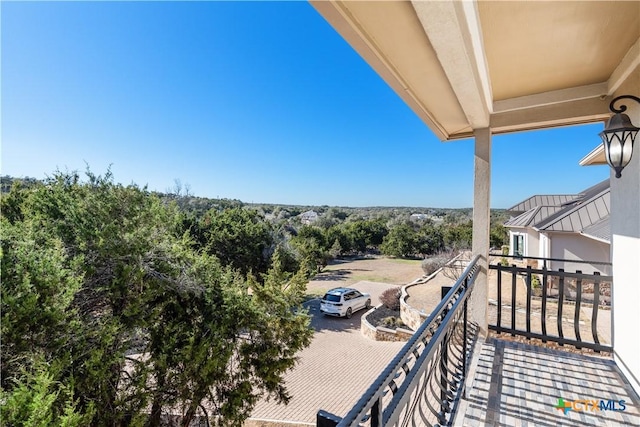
{"points": [[586, 212], [601, 230], [542, 200], [532, 216], [592, 206]]}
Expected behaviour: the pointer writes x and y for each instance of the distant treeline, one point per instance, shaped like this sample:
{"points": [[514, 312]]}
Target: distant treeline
{"points": [[246, 236]]}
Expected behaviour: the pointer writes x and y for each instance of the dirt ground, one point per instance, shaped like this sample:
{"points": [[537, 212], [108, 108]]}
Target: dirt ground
{"points": [[346, 272]]}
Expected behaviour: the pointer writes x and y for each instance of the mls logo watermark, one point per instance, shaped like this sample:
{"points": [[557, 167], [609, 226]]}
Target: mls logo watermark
{"points": [[584, 405]]}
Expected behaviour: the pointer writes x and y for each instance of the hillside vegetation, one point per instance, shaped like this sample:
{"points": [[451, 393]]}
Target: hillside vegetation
{"points": [[120, 305]]}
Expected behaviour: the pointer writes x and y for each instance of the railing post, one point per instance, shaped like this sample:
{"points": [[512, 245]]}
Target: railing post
{"points": [[464, 344], [499, 307], [444, 386], [576, 308], [327, 419], [543, 315], [529, 289], [444, 356], [513, 299], [595, 308], [376, 413], [560, 303]]}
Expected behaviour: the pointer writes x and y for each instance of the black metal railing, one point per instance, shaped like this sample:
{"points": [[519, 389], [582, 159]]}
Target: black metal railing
{"points": [[558, 306], [426, 378]]}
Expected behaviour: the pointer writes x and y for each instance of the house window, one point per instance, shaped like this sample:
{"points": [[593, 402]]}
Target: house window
{"points": [[518, 244]]}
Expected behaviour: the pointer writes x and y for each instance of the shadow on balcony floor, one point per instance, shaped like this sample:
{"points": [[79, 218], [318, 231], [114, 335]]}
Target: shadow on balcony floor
{"points": [[516, 384]]}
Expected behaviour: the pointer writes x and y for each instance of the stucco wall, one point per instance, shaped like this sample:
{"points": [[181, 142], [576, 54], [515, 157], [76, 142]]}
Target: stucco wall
{"points": [[625, 229], [533, 243], [575, 246]]}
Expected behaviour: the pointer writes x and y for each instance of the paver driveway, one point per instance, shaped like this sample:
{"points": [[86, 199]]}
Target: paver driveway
{"points": [[334, 371]]}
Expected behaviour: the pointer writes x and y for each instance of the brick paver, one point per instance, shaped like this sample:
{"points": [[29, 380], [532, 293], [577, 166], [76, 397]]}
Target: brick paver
{"points": [[335, 370]]}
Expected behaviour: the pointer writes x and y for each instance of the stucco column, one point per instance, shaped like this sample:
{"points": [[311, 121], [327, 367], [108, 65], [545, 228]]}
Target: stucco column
{"points": [[481, 219], [625, 250]]}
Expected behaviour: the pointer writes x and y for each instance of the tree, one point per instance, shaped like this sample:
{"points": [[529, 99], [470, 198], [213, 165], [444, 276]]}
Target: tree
{"points": [[239, 238], [400, 242], [498, 236], [459, 236], [104, 289], [367, 233], [310, 246], [339, 233], [429, 239], [313, 232]]}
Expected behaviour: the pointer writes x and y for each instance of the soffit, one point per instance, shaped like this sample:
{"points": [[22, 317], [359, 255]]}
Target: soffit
{"points": [[536, 47], [507, 65], [389, 36]]}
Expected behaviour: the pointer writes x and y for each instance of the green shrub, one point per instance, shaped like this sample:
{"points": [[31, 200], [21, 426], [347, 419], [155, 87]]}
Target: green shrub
{"points": [[535, 281], [505, 251], [393, 322]]}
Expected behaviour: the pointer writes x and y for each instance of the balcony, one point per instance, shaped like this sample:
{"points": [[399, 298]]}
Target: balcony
{"points": [[546, 360]]}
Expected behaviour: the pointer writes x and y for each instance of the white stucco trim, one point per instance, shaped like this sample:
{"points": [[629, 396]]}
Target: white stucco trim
{"points": [[525, 242], [630, 62], [553, 97], [447, 24]]}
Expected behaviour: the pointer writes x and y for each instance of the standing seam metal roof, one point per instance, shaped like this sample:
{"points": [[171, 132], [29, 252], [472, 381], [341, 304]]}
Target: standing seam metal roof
{"points": [[532, 216], [592, 206], [601, 230], [542, 200], [586, 213]]}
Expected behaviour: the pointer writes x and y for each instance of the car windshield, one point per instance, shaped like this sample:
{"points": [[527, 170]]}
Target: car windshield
{"points": [[332, 298]]}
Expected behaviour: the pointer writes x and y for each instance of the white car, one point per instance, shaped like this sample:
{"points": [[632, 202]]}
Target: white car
{"points": [[344, 302]]}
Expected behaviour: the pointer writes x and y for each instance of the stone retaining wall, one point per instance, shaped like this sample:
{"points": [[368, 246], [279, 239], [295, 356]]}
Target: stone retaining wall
{"points": [[410, 316], [380, 333], [413, 317]]}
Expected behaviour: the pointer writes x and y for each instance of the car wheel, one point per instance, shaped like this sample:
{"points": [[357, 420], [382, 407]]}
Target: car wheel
{"points": [[349, 313], [368, 304]]}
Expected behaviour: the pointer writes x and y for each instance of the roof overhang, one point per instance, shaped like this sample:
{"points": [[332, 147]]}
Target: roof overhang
{"points": [[597, 239], [595, 157], [508, 65]]}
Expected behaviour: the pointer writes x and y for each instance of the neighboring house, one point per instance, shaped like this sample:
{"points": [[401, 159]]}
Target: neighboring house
{"points": [[424, 217], [308, 217], [570, 227]]}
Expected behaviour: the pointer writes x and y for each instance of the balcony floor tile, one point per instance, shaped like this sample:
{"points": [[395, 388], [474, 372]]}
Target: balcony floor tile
{"points": [[517, 384]]}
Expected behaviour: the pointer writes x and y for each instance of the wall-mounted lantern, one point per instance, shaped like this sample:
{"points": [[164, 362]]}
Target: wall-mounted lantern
{"points": [[618, 136]]}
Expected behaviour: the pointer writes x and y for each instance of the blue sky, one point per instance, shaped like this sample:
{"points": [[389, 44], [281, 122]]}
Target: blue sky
{"points": [[257, 101]]}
